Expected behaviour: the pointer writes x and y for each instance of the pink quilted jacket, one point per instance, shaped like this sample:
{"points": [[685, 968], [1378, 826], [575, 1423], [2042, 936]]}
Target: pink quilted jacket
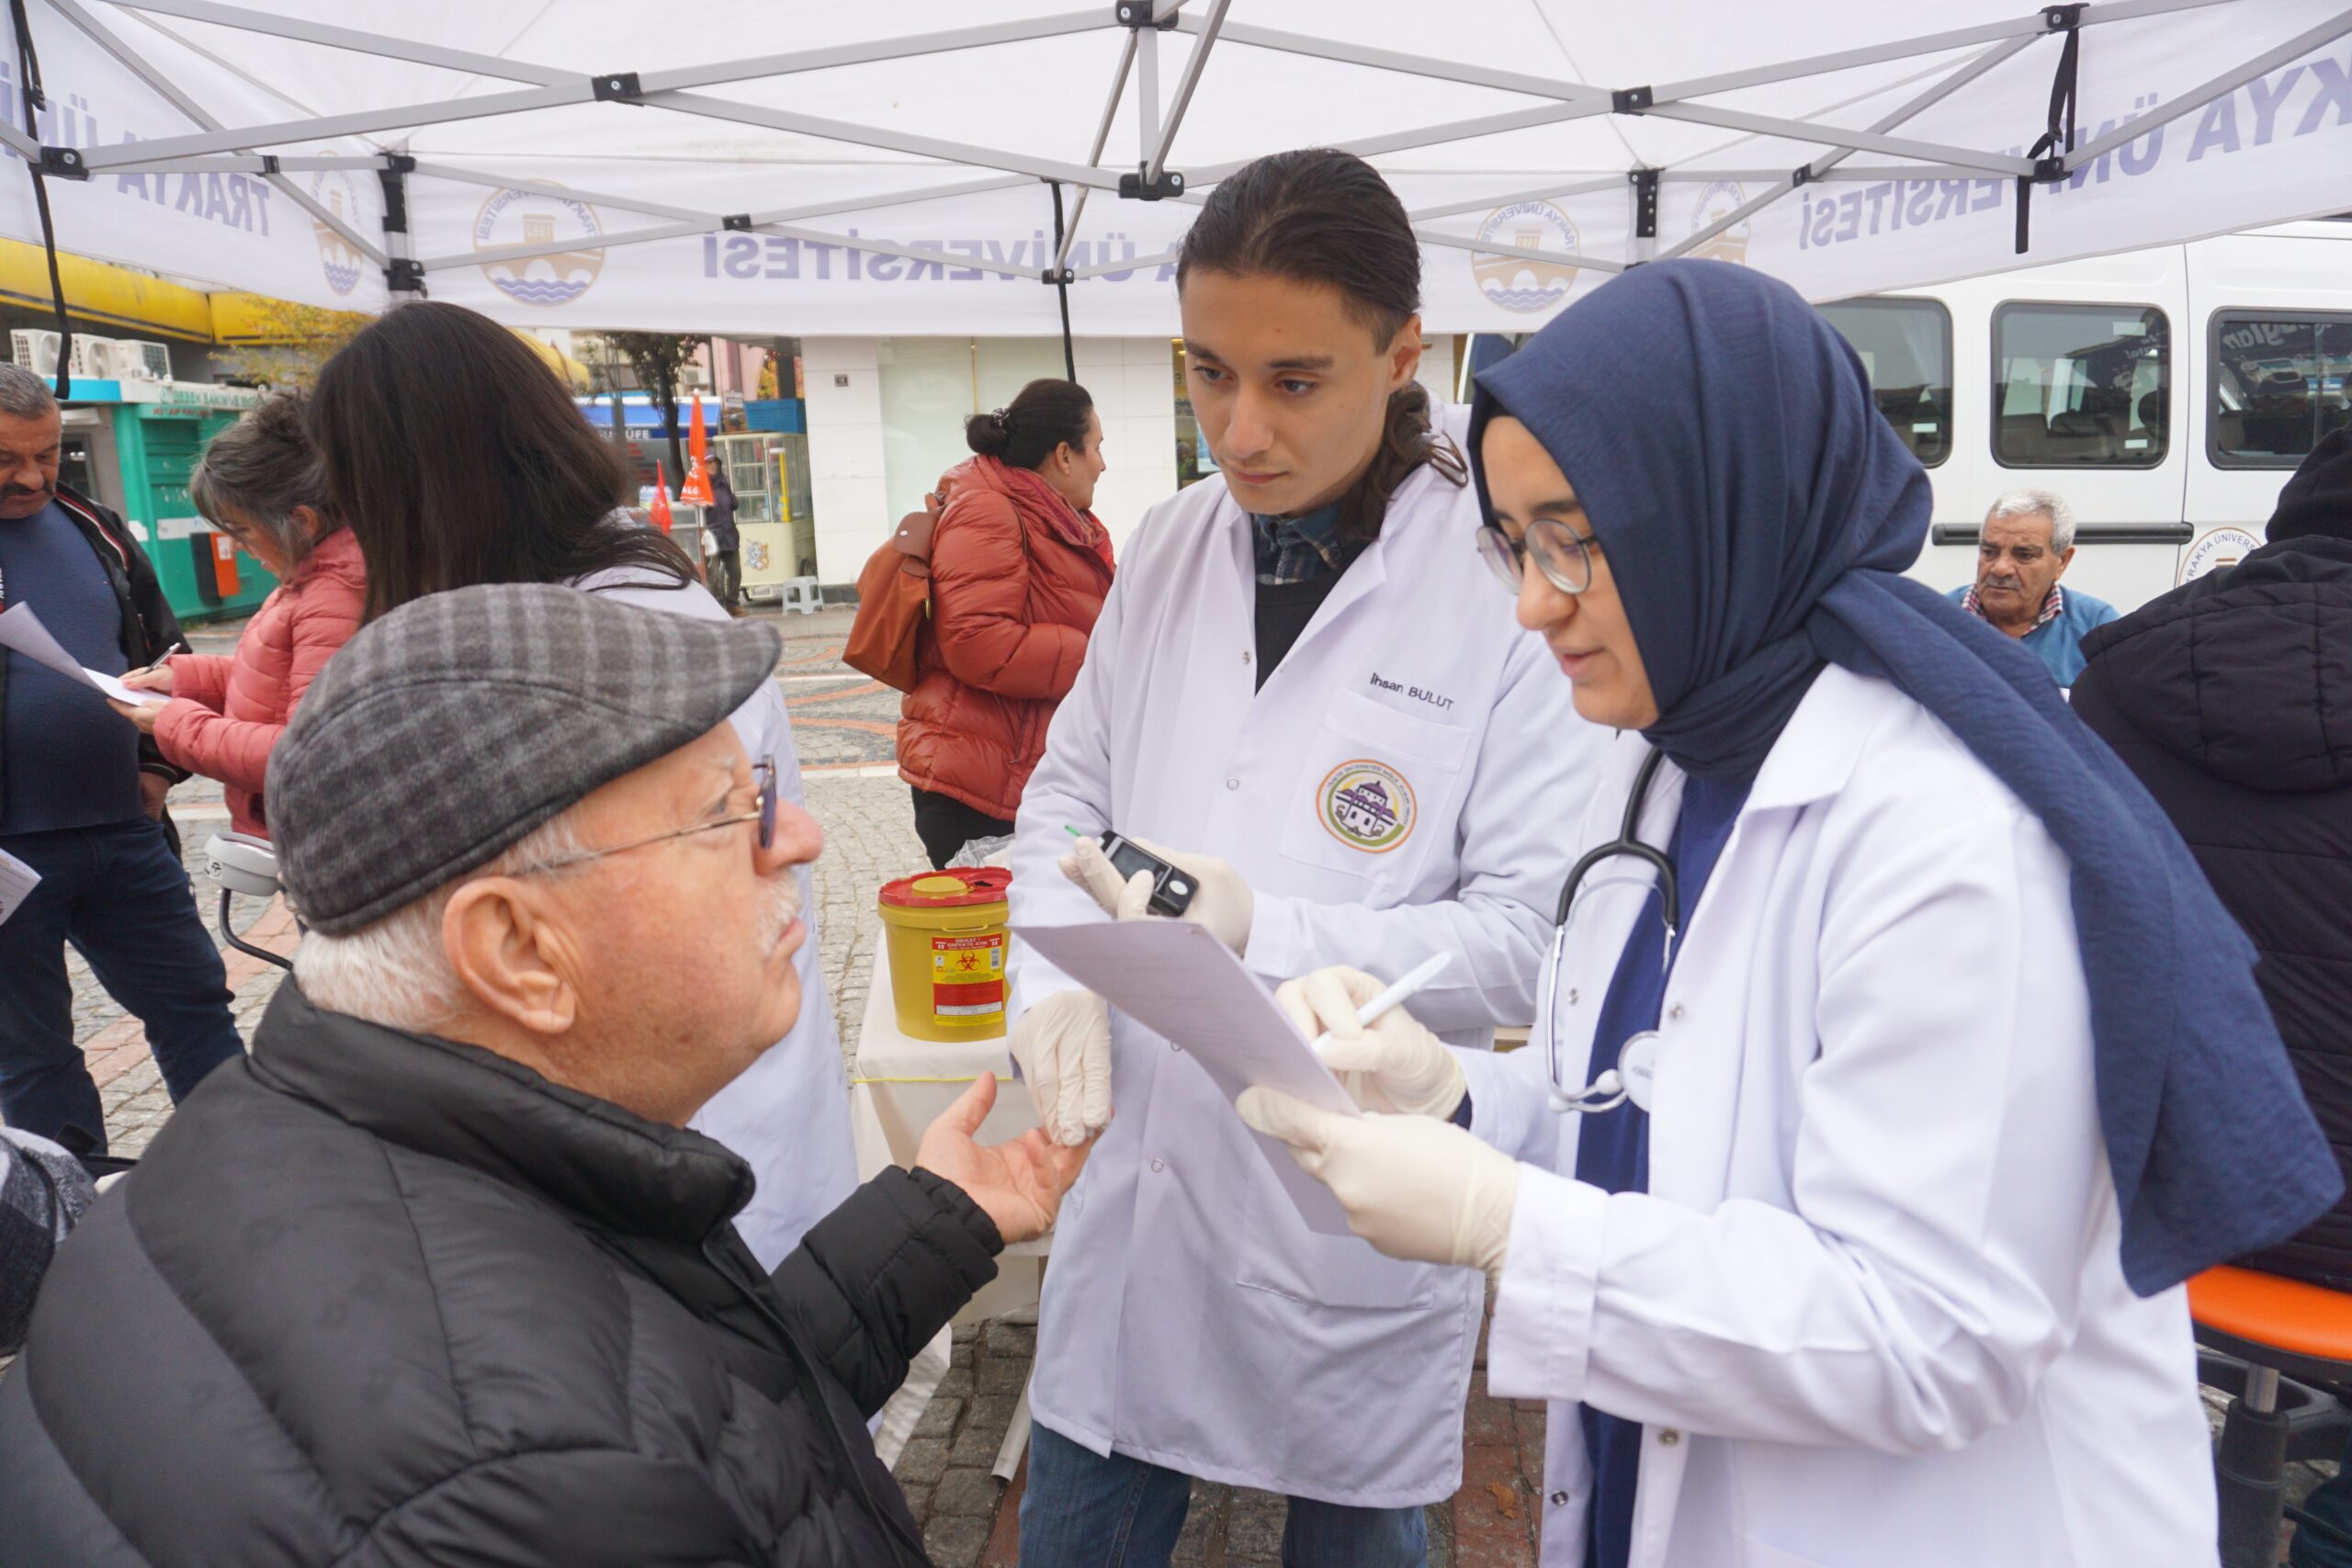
{"points": [[227, 712]]}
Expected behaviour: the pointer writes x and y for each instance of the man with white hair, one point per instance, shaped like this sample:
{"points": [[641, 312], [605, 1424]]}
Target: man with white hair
{"points": [[2027, 544], [438, 1273]]}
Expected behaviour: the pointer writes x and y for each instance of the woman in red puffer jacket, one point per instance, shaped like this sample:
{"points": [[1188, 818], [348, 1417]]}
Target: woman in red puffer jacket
{"points": [[258, 483], [1019, 568]]}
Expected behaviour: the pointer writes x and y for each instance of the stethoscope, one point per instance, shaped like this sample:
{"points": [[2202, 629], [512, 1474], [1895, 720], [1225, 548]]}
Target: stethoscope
{"points": [[1636, 1067]]}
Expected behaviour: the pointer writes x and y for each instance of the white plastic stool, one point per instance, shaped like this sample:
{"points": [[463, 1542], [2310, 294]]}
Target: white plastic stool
{"points": [[800, 593]]}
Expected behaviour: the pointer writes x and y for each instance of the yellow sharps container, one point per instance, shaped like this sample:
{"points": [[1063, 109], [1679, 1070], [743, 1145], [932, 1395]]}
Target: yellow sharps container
{"points": [[947, 936]]}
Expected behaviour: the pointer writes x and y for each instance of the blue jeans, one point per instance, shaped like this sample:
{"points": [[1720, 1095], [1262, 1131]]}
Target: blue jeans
{"points": [[2331, 1504], [1084, 1511], [121, 897]]}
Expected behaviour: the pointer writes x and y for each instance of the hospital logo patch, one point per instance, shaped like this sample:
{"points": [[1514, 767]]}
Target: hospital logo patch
{"points": [[1366, 805]]}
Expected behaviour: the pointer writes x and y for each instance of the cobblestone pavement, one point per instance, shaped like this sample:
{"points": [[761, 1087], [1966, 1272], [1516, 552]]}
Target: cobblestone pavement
{"points": [[842, 725]]}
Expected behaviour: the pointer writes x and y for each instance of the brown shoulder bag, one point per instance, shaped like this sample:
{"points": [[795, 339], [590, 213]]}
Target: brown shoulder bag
{"points": [[893, 598]]}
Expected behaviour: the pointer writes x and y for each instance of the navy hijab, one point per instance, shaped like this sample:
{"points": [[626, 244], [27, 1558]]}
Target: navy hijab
{"points": [[1757, 513]]}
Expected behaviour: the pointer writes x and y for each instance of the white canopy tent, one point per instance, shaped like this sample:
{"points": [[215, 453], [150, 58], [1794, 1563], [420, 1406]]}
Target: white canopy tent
{"points": [[740, 166]]}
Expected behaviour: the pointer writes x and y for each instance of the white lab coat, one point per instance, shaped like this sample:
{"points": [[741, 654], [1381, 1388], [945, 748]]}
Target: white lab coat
{"points": [[788, 1115], [1190, 1318], [1871, 1309]]}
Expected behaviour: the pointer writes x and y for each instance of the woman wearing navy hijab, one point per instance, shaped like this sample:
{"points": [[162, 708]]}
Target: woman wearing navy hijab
{"points": [[1842, 1203]]}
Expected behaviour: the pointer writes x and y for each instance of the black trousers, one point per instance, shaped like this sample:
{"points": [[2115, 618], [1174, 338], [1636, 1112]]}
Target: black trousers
{"points": [[946, 825]]}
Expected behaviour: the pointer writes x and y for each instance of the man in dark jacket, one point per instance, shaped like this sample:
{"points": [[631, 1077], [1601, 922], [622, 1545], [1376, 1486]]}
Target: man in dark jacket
{"points": [[438, 1275], [725, 540], [82, 802], [2231, 697]]}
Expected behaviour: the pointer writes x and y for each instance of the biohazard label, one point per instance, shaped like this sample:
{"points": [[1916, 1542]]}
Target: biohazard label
{"points": [[967, 976], [1367, 806]]}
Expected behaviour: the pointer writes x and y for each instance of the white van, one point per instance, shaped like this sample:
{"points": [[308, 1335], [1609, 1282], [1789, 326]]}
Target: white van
{"points": [[2166, 393]]}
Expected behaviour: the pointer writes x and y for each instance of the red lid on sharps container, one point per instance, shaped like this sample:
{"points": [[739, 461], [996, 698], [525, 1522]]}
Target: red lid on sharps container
{"points": [[948, 889]]}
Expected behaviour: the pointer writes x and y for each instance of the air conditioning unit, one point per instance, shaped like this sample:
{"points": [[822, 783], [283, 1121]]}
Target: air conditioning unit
{"points": [[692, 378], [94, 357], [35, 351], [140, 359]]}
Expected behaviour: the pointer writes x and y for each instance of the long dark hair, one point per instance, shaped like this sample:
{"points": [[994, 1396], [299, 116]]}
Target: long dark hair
{"points": [[1033, 425], [1318, 215], [457, 458]]}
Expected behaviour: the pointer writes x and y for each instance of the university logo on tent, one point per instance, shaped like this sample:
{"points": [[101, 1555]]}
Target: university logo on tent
{"points": [[1717, 202], [513, 218], [1517, 283], [338, 257], [1366, 805]]}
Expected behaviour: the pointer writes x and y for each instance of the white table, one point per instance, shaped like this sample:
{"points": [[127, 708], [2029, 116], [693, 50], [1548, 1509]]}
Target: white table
{"points": [[898, 1087]]}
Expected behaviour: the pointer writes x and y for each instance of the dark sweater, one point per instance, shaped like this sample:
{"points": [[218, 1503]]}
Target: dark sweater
{"points": [[2231, 697]]}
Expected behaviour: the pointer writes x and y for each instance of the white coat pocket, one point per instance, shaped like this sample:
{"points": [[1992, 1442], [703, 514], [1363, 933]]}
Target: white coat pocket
{"points": [[1280, 1253], [1375, 788]]}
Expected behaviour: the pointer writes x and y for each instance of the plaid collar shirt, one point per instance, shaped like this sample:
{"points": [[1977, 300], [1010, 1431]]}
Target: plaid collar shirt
{"points": [[1298, 549], [2052, 607]]}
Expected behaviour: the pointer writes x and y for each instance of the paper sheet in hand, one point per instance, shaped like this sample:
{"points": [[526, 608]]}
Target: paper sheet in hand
{"points": [[21, 629], [16, 880], [1178, 981]]}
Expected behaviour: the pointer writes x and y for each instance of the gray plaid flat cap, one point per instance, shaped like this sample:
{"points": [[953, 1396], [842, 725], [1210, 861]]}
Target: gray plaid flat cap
{"points": [[441, 734]]}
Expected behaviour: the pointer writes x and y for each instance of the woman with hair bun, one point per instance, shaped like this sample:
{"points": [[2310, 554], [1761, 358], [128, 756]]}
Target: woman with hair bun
{"points": [[1019, 569]]}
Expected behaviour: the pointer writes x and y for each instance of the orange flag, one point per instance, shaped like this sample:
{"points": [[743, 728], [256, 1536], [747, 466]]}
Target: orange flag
{"points": [[696, 490], [661, 509]]}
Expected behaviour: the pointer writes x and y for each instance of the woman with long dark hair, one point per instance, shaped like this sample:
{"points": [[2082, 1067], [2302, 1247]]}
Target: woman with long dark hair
{"points": [[1348, 779], [1019, 568], [456, 457]]}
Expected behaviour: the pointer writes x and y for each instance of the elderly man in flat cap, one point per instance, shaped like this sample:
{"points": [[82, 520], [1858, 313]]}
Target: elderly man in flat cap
{"points": [[438, 1275]]}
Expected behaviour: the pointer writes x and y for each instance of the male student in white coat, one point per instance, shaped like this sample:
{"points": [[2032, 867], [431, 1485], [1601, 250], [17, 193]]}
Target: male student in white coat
{"points": [[1276, 698]]}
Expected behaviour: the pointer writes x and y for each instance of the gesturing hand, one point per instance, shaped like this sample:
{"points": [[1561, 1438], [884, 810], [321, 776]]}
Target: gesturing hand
{"points": [[1019, 1185]]}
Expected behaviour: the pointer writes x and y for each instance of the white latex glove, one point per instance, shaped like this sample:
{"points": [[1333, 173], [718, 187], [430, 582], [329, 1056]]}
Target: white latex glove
{"points": [[1394, 1065], [1064, 1047], [1422, 1191], [1221, 899]]}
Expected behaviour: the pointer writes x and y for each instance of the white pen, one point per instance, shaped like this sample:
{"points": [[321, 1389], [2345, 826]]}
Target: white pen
{"points": [[1420, 974]]}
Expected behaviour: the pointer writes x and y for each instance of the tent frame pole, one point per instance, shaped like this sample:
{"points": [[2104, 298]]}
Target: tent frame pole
{"points": [[1495, 248], [1102, 139], [219, 148], [1542, 193], [1156, 151], [2204, 92], [138, 65], [1942, 90]]}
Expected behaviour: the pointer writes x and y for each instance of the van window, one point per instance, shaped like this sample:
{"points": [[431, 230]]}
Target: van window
{"points": [[2081, 386], [1906, 344], [2279, 385]]}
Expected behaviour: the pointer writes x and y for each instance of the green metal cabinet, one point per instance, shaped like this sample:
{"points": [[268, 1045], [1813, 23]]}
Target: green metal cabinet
{"points": [[136, 456]]}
